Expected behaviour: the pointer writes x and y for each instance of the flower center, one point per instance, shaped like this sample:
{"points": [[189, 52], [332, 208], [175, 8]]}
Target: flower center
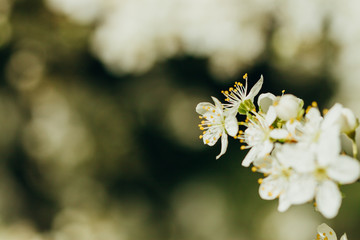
{"points": [[320, 174]]}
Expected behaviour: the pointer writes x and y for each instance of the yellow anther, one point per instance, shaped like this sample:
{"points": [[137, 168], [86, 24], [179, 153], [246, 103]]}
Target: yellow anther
{"points": [[260, 180], [218, 114], [214, 138], [325, 111], [283, 91], [201, 128], [314, 104], [241, 123], [245, 76], [292, 120], [200, 117], [226, 92], [203, 122], [204, 107], [315, 204], [207, 141], [331, 233], [269, 194], [308, 109], [254, 169], [230, 89], [241, 140], [211, 116], [213, 111], [204, 132], [326, 238], [201, 136], [235, 137], [240, 131], [243, 147]]}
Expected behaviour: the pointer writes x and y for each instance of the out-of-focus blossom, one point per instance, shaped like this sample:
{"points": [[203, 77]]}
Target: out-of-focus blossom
{"points": [[327, 233]]}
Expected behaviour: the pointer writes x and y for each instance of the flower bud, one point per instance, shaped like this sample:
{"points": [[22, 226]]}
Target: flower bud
{"points": [[288, 107]]}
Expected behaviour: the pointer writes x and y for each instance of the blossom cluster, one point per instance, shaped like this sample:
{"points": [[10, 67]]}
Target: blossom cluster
{"points": [[298, 150]]}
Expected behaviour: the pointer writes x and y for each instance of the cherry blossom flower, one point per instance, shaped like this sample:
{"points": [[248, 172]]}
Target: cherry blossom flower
{"points": [[217, 122], [259, 137], [238, 97], [327, 233]]}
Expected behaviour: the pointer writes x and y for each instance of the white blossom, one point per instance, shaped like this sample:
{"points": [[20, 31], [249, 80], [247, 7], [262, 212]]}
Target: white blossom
{"points": [[217, 123], [327, 233], [238, 95], [259, 137]]}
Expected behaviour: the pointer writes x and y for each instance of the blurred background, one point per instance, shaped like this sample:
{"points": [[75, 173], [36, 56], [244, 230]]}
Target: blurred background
{"points": [[98, 129]]}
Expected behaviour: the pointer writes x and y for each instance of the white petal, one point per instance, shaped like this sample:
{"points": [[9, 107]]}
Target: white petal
{"points": [[296, 156], [284, 203], [328, 199], [224, 144], [332, 117], [344, 237], [212, 135], [218, 104], [345, 170], [301, 188], [265, 100], [255, 89], [279, 133], [271, 187], [202, 107], [313, 115], [250, 156], [328, 147], [231, 124], [325, 231], [270, 116]]}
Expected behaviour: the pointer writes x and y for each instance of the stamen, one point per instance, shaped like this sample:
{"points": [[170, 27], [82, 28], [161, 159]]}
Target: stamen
{"points": [[260, 180], [201, 136], [314, 104], [245, 76], [254, 169]]}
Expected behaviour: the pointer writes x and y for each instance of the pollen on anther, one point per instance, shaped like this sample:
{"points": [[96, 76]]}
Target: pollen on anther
{"points": [[201, 136], [325, 111], [269, 194], [243, 147], [314, 104], [200, 117], [260, 180], [254, 169], [245, 76], [207, 141]]}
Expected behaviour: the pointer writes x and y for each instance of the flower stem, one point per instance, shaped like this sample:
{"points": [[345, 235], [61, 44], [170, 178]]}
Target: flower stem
{"points": [[355, 150]]}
